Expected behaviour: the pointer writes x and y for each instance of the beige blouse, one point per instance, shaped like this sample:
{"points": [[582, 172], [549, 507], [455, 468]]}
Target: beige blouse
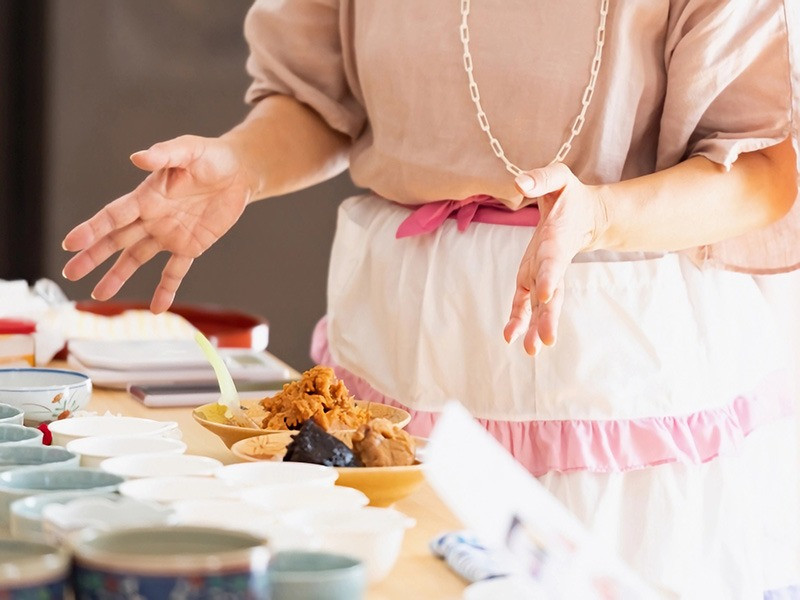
{"points": [[679, 78]]}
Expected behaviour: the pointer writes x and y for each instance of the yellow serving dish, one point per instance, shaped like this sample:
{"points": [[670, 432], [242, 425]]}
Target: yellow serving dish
{"points": [[382, 485]]}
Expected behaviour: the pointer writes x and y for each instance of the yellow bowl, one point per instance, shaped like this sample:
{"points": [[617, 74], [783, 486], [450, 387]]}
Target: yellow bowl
{"points": [[206, 415], [382, 485]]}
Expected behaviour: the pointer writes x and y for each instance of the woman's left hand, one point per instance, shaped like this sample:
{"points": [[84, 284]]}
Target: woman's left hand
{"points": [[572, 219]]}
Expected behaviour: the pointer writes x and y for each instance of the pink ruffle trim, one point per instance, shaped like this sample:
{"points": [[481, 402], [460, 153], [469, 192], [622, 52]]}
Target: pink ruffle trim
{"points": [[605, 446]]}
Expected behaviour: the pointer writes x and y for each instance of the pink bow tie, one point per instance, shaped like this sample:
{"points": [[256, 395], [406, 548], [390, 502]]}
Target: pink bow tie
{"points": [[479, 209]]}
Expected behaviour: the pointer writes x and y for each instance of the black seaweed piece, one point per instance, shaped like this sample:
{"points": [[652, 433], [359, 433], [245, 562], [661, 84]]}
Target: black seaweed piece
{"points": [[312, 444]]}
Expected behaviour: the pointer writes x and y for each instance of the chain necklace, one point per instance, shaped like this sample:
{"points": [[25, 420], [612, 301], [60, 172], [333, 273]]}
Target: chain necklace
{"points": [[588, 93]]}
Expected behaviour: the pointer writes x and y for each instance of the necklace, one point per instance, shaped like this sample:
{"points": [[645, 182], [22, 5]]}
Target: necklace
{"points": [[588, 93]]}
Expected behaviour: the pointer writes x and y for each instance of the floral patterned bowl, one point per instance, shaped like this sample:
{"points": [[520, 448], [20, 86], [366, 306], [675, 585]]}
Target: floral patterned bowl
{"points": [[170, 562], [44, 394]]}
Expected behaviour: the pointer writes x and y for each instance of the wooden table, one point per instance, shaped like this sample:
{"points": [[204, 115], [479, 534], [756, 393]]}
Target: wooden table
{"points": [[417, 574]]}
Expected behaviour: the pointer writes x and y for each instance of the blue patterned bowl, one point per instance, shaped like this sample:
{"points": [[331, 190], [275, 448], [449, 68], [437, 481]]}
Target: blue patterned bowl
{"points": [[170, 562]]}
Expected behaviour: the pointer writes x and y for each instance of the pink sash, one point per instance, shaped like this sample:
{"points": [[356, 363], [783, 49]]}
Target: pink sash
{"points": [[479, 209]]}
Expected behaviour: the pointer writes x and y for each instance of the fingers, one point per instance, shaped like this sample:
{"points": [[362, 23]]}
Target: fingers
{"points": [[171, 278], [87, 260], [128, 262], [520, 317], [539, 182], [179, 152], [548, 317], [115, 215]]}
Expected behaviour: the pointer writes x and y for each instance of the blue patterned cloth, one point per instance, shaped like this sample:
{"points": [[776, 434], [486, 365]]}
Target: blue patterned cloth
{"points": [[465, 555]]}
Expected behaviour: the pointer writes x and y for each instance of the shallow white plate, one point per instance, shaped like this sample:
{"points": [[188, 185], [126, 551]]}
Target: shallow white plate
{"points": [[131, 355], [277, 474], [151, 465], [281, 499], [66, 430], [94, 450], [172, 489]]}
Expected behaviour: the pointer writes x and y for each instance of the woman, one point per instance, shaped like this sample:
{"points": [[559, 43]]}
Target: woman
{"points": [[664, 175]]}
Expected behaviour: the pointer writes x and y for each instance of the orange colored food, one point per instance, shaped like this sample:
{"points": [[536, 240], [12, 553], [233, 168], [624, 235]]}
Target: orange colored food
{"points": [[317, 395]]}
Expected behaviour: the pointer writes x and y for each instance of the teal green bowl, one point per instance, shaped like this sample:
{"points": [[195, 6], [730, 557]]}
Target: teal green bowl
{"points": [[29, 481], [16, 435], [300, 575], [16, 456], [11, 414]]}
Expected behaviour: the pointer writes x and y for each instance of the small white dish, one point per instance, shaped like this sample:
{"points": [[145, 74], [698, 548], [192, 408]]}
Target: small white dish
{"points": [[373, 535], [62, 519], [166, 490], [66, 430], [94, 450], [136, 466], [281, 499], [282, 474]]}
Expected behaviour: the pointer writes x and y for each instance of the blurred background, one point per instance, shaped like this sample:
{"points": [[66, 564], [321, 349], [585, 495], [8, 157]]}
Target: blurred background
{"points": [[84, 84]]}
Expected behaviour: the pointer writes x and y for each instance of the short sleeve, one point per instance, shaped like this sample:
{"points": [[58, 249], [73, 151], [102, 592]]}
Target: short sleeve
{"points": [[296, 50], [733, 86]]}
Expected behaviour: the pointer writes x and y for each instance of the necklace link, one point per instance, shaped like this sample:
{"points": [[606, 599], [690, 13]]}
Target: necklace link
{"points": [[586, 99]]}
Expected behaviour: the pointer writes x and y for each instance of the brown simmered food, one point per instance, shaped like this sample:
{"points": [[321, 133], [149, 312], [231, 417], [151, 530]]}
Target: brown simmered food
{"points": [[380, 444], [318, 395]]}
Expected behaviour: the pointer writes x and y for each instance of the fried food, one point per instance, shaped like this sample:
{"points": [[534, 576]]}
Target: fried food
{"points": [[379, 443], [318, 395]]}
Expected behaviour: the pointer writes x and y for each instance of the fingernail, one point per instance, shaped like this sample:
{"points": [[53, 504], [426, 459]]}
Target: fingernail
{"points": [[525, 183], [64, 273], [514, 336], [137, 153], [63, 245], [93, 296]]}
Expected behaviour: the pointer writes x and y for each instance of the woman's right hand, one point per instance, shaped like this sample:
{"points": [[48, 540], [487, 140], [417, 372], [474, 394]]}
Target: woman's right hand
{"points": [[197, 189]]}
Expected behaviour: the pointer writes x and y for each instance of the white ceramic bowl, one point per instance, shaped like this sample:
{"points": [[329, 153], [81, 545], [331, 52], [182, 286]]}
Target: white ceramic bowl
{"points": [[44, 394], [13, 415], [137, 466], [94, 450], [166, 490], [66, 430], [280, 474], [62, 519], [19, 435], [29, 481], [279, 499], [25, 514], [225, 513], [373, 535]]}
